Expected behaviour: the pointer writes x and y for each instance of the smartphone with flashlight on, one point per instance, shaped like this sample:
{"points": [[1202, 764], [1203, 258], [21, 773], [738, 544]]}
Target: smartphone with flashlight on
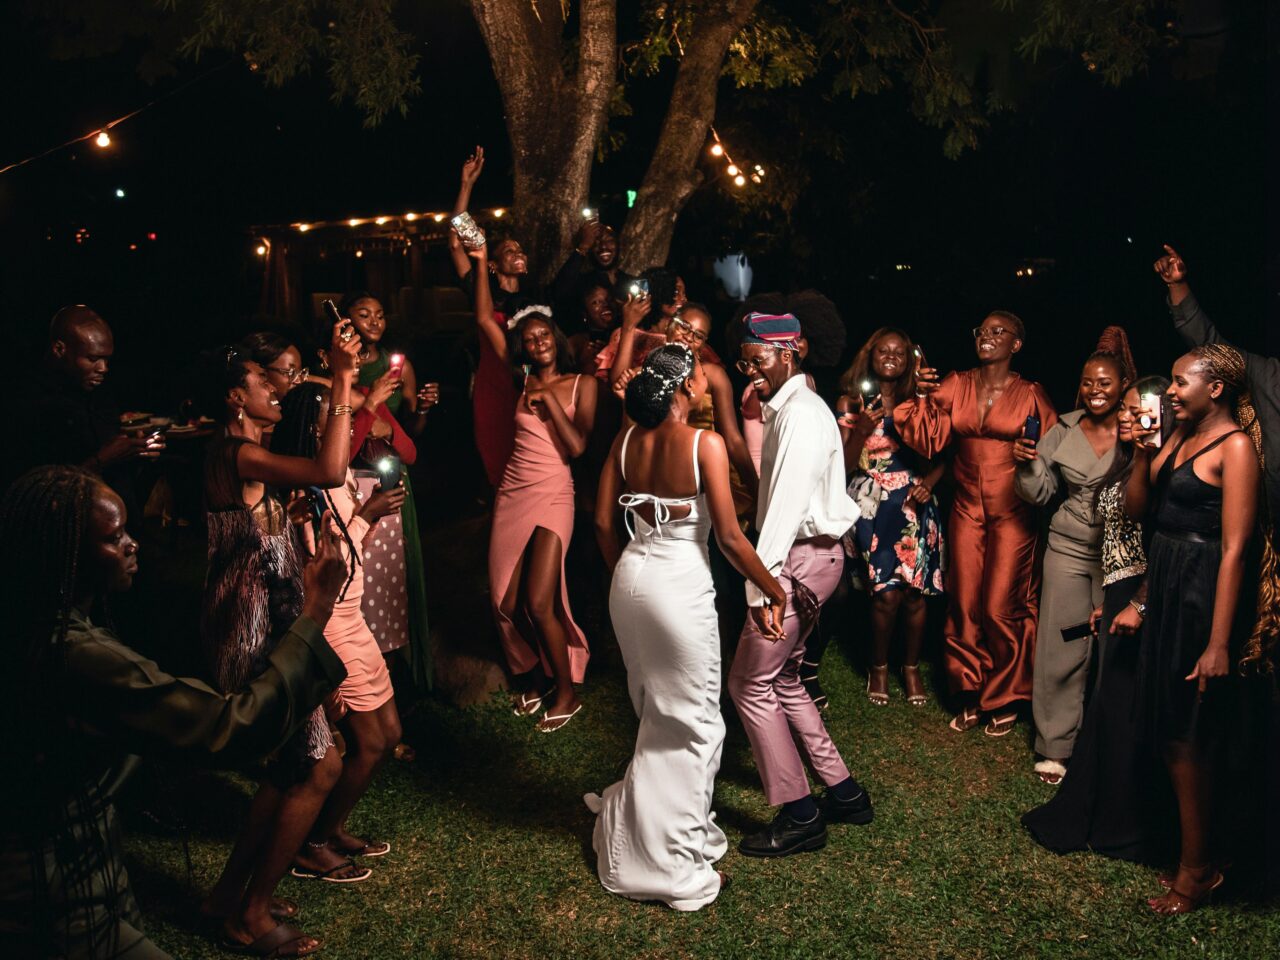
{"points": [[590, 213], [639, 288], [397, 366], [867, 390], [388, 471]]}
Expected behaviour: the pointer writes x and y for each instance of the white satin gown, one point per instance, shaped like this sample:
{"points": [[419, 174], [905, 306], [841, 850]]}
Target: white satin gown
{"points": [[655, 835]]}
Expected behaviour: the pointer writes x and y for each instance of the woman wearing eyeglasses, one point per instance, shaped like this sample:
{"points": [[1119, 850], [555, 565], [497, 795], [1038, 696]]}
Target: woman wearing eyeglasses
{"points": [[716, 410], [991, 620]]}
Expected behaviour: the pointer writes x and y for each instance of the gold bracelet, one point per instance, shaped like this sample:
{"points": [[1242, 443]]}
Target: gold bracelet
{"points": [[339, 409]]}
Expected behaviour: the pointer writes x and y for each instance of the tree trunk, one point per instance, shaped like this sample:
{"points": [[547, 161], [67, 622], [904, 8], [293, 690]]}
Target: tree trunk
{"points": [[554, 118], [673, 174]]}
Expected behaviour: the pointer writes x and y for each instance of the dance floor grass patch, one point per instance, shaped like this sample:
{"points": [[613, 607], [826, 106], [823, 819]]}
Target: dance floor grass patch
{"points": [[491, 854]]}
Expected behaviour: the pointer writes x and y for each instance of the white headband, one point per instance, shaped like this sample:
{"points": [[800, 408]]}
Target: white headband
{"points": [[525, 311]]}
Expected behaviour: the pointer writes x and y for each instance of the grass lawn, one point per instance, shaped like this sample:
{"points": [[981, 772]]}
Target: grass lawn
{"points": [[492, 854]]}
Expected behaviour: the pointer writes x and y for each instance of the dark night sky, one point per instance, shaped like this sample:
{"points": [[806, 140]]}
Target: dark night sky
{"points": [[1071, 175]]}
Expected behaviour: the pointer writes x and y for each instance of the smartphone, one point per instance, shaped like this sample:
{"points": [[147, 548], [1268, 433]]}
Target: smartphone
{"points": [[869, 392], [1031, 429], [468, 231], [1153, 417], [590, 213], [388, 470], [316, 494], [639, 288], [1077, 632], [397, 365], [331, 311], [919, 355]]}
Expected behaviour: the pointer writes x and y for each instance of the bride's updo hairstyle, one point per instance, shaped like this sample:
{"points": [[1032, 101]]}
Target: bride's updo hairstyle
{"points": [[649, 393]]}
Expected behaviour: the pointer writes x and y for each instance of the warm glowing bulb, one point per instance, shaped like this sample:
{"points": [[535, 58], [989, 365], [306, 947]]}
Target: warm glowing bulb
{"points": [[120, 193], [437, 217], [733, 170], [304, 227], [499, 212], [1030, 271], [740, 180], [103, 139], [262, 250], [717, 150], [380, 221], [411, 216], [359, 254], [353, 222]]}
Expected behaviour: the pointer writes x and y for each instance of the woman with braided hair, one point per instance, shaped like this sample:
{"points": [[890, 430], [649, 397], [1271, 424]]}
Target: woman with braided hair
{"points": [[655, 834], [369, 720], [1205, 503], [83, 702], [1070, 460], [252, 592]]}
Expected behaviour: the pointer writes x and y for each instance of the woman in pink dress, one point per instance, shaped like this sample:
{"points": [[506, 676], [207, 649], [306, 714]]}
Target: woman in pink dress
{"points": [[533, 510], [369, 721]]}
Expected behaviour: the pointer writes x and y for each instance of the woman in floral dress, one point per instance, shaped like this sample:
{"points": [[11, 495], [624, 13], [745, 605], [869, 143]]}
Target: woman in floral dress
{"points": [[896, 545]]}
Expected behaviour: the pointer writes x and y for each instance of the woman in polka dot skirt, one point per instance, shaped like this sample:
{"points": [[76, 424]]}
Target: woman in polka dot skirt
{"points": [[369, 721]]}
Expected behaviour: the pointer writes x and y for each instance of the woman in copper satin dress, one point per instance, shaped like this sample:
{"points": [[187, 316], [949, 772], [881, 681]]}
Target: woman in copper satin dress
{"points": [[992, 582]]}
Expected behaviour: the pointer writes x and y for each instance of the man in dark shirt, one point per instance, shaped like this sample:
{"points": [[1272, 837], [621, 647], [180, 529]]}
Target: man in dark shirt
{"points": [[74, 421]]}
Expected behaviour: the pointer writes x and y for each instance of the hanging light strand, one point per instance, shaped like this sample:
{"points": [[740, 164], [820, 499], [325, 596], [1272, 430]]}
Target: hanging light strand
{"points": [[101, 135], [731, 169]]}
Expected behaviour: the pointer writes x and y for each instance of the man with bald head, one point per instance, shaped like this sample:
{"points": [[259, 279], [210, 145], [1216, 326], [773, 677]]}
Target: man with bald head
{"points": [[74, 420]]}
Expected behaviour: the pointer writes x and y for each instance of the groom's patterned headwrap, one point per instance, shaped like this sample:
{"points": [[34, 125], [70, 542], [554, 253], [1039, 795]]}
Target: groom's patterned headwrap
{"points": [[772, 330]]}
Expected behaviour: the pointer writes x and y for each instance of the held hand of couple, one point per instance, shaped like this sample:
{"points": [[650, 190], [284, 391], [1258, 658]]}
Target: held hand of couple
{"points": [[769, 619]]}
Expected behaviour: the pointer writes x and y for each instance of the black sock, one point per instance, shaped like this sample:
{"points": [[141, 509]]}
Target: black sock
{"points": [[802, 810], [846, 789]]}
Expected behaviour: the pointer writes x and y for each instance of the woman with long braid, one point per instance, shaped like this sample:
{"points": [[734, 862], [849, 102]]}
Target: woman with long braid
{"points": [[80, 701], [1206, 482], [252, 592], [369, 720]]}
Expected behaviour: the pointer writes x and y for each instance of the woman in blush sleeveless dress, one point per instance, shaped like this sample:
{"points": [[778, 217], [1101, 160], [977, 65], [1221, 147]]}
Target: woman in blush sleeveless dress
{"points": [[655, 834]]}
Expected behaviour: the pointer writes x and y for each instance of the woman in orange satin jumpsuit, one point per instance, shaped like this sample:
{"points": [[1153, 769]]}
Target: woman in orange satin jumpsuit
{"points": [[993, 582]]}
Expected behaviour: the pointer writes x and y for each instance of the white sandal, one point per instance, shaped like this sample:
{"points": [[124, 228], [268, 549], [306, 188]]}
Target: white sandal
{"points": [[527, 706], [1051, 771], [557, 721]]}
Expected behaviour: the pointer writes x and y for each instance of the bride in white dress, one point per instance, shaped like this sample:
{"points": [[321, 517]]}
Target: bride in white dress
{"points": [[655, 835]]}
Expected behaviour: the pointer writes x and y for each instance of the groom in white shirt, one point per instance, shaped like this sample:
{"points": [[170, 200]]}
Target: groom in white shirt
{"points": [[802, 512]]}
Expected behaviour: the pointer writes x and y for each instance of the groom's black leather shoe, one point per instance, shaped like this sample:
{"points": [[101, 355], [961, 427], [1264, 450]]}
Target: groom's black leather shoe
{"points": [[785, 836], [854, 810]]}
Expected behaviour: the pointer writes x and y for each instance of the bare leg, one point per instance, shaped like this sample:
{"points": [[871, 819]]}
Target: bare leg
{"points": [[225, 897], [294, 816], [370, 737], [1191, 773], [542, 593], [913, 622], [884, 617]]}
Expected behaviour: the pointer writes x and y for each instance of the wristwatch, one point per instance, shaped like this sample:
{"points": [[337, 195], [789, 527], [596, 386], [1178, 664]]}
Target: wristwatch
{"points": [[1140, 607]]}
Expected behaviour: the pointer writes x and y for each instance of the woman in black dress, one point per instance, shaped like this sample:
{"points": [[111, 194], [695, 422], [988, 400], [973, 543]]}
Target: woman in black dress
{"points": [[1108, 803], [1203, 512]]}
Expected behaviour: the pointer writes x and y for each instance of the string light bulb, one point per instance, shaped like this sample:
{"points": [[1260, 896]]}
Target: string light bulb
{"points": [[732, 170], [739, 180], [437, 217], [380, 221], [359, 254], [304, 227], [103, 139], [499, 212], [411, 217], [353, 222], [717, 150], [262, 250]]}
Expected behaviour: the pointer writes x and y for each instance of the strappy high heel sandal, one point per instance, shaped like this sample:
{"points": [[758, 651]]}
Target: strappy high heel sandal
{"points": [[1174, 901], [914, 686], [878, 685]]}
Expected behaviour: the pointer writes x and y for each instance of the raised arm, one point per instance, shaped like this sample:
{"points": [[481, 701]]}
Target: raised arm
{"points": [[633, 311], [329, 468], [565, 285], [1034, 479], [726, 416], [470, 174], [924, 421], [486, 323]]}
